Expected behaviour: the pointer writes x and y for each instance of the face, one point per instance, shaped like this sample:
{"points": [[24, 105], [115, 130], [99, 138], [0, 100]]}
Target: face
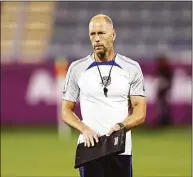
{"points": [[102, 36]]}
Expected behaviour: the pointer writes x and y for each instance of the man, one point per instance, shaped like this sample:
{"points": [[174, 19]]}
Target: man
{"points": [[104, 82], [165, 74]]}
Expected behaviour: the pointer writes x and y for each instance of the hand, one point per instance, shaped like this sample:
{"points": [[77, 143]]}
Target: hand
{"points": [[89, 136], [113, 129]]}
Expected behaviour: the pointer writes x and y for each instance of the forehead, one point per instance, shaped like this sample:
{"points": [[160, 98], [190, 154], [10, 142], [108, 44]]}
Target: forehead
{"points": [[99, 25]]}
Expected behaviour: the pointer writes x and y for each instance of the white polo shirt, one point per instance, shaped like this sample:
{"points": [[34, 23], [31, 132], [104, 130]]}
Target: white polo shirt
{"points": [[99, 112]]}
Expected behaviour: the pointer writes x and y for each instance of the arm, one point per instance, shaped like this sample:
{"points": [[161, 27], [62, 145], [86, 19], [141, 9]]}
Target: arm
{"points": [[139, 112], [136, 118], [138, 103], [70, 118], [70, 95]]}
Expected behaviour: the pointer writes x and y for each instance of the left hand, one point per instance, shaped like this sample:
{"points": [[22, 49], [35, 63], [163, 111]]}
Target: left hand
{"points": [[115, 128]]}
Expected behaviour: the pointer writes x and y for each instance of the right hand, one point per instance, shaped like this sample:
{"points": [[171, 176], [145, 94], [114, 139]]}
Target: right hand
{"points": [[89, 136]]}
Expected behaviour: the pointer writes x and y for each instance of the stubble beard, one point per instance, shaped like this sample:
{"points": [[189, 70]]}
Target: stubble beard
{"points": [[101, 54]]}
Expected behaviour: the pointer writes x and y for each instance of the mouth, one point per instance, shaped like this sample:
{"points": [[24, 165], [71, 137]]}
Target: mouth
{"points": [[98, 46]]}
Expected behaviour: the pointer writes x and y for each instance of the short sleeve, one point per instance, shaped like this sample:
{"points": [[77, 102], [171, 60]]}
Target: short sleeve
{"points": [[71, 89], [137, 85]]}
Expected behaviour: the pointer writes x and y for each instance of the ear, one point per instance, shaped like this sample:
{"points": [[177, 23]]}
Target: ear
{"points": [[114, 35]]}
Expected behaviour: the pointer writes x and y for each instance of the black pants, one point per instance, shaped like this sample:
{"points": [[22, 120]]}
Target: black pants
{"points": [[111, 166]]}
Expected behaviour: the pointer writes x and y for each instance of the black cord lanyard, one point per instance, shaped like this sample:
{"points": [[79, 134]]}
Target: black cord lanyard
{"points": [[105, 90]]}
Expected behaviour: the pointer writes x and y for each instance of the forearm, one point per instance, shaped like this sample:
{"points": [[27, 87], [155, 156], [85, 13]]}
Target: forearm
{"points": [[135, 119], [71, 119]]}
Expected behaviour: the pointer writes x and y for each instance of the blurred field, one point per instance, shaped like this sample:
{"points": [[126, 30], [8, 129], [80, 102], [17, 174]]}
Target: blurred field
{"points": [[39, 152]]}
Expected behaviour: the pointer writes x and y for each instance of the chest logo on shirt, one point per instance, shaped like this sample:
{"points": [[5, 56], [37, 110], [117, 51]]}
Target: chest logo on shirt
{"points": [[105, 79]]}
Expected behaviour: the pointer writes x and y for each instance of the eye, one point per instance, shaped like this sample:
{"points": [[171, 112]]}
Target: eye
{"points": [[91, 34]]}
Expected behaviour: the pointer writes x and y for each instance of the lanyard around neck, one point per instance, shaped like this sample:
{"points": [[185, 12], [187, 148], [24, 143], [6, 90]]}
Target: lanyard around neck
{"points": [[105, 90]]}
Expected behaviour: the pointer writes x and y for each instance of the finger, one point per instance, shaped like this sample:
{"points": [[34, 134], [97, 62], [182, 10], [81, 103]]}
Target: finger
{"points": [[88, 142], [92, 140], [96, 138], [85, 141]]}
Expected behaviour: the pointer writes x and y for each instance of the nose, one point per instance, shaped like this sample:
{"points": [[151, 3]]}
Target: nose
{"points": [[97, 38]]}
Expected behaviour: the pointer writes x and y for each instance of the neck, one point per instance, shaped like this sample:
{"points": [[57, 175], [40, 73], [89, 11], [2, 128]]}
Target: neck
{"points": [[108, 56]]}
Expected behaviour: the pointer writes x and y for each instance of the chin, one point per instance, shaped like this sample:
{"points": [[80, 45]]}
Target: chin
{"points": [[99, 52]]}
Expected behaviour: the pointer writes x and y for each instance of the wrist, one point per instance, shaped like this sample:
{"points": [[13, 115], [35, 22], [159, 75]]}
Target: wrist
{"points": [[82, 127], [121, 125]]}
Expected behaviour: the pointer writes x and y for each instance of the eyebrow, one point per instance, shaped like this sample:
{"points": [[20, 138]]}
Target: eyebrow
{"points": [[92, 33], [97, 32]]}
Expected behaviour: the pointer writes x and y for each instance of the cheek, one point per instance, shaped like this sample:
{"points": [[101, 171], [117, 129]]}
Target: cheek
{"points": [[92, 42], [109, 42]]}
